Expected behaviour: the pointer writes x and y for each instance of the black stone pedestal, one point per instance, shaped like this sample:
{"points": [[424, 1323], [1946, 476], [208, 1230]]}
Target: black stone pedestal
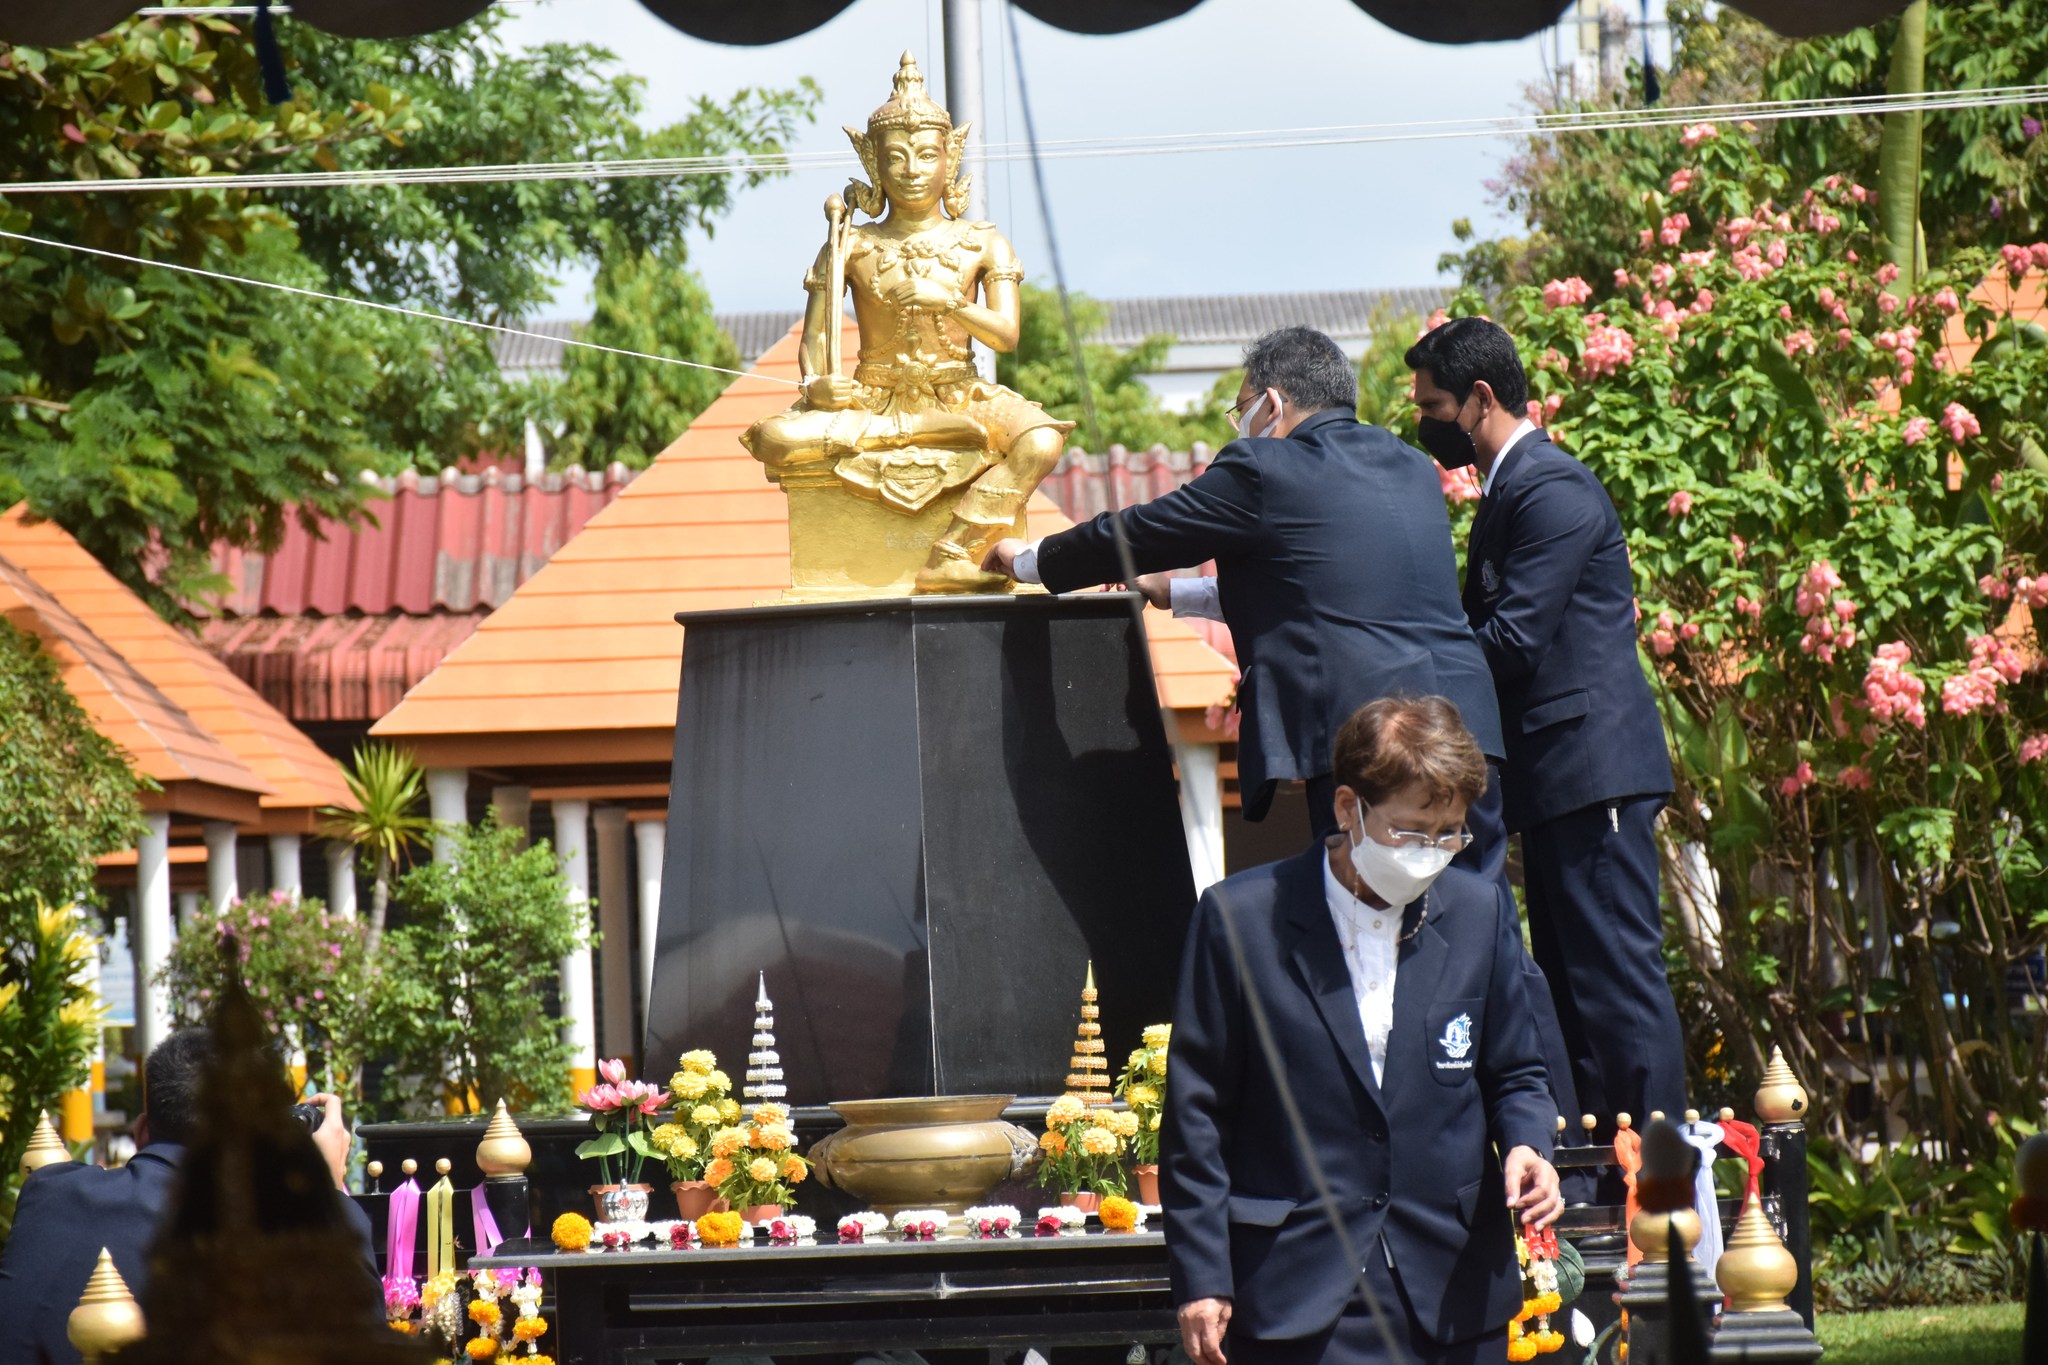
{"points": [[922, 817]]}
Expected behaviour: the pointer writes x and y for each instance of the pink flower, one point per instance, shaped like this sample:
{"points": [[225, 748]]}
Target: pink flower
{"points": [[1621, 279], [1971, 692], [1693, 134], [1856, 779], [600, 1099], [1661, 274], [1887, 304], [1551, 405], [2032, 591], [1801, 340], [1890, 691], [612, 1069], [2034, 748], [1860, 195], [1697, 259], [1775, 253], [1826, 297], [1740, 546], [1750, 264], [1645, 238], [1945, 299], [1745, 607], [1799, 781], [1679, 504], [1689, 630], [1566, 293], [1959, 422], [1916, 430], [1736, 230], [1995, 587], [1681, 180], [1608, 349], [1703, 302], [1887, 273], [1662, 643], [1784, 312], [2039, 252], [1990, 653], [1823, 223], [2017, 258], [1673, 228], [1436, 320], [1459, 485]]}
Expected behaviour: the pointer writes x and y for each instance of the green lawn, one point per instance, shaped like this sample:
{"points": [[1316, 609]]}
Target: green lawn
{"points": [[1924, 1336]]}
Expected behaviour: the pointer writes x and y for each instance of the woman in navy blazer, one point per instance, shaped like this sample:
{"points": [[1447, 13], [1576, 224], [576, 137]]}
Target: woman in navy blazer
{"points": [[1422, 1085]]}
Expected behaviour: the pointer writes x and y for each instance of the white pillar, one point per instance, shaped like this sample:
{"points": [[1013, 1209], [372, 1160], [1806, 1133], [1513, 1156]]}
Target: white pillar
{"points": [[188, 909], [652, 836], [572, 847], [1201, 810], [341, 879], [220, 864], [153, 927], [448, 804], [615, 918], [284, 864]]}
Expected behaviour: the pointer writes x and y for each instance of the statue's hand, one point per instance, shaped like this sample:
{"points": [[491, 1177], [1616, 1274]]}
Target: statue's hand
{"points": [[925, 295], [832, 392]]}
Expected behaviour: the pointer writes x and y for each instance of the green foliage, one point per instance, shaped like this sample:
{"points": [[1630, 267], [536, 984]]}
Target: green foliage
{"points": [[1919, 1336], [1779, 433], [1127, 412], [460, 1004], [67, 795], [152, 414], [622, 409], [385, 825], [307, 971]]}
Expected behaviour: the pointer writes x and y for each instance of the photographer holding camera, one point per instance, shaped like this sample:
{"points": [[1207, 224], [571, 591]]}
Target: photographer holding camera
{"points": [[69, 1210]]}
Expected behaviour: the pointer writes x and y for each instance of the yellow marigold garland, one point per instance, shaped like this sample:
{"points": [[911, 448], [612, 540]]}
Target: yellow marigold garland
{"points": [[571, 1232], [486, 1314], [1117, 1213], [720, 1229], [530, 1329], [482, 1348]]}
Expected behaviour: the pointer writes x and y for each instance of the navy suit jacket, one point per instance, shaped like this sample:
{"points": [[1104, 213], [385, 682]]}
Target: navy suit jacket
{"points": [[1548, 591], [1414, 1164], [1338, 579], [66, 1213]]}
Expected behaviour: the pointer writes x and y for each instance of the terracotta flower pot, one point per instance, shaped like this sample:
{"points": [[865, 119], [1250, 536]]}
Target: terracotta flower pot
{"points": [[1148, 1184], [621, 1203], [695, 1198], [1085, 1200], [761, 1213]]}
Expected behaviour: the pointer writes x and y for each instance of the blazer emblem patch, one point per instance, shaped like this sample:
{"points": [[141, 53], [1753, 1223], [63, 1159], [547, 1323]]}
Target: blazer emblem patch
{"points": [[1456, 1042], [1489, 578]]}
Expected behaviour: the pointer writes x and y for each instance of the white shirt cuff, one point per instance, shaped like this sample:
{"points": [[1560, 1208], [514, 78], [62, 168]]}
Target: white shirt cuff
{"points": [[1025, 567], [1195, 597]]}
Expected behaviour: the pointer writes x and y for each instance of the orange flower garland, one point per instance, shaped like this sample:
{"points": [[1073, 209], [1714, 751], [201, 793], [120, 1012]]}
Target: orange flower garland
{"points": [[1117, 1213], [482, 1348], [720, 1229], [571, 1232], [486, 1314]]}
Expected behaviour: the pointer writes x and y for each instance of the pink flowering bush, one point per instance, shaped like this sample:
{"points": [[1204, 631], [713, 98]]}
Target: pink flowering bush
{"points": [[1846, 646]]}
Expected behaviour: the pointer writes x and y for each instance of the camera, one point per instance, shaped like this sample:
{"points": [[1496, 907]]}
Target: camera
{"points": [[312, 1115]]}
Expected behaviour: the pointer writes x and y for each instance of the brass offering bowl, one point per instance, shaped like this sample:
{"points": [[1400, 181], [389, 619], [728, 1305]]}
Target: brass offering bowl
{"points": [[935, 1152]]}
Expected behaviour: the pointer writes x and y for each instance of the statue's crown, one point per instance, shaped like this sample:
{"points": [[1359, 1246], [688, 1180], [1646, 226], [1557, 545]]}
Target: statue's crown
{"points": [[909, 106]]}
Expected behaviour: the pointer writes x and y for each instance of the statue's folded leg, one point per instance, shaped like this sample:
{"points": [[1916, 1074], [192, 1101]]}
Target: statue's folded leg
{"points": [[986, 510]]}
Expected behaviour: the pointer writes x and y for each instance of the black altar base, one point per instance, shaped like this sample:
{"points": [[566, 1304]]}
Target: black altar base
{"points": [[1100, 1290], [922, 817]]}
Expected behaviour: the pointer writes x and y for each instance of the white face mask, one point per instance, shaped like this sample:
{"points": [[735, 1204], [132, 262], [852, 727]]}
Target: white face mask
{"points": [[1246, 421], [1398, 875]]}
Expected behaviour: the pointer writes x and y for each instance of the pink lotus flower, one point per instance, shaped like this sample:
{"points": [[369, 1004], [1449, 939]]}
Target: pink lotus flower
{"points": [[1959, 422], [1693, 134], [612, 1069], [1801, 340], [1679, 504], [1916, 430], [1886, 274], [1681, 180], [1856, 779], [2034, 748], [1673, 228], [1566, 293], [1608, 349], [1945, 300], [601, 1099]]}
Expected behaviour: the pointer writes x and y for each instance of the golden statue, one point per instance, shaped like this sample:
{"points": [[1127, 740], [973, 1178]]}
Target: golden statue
{"points": [[900, 477]]}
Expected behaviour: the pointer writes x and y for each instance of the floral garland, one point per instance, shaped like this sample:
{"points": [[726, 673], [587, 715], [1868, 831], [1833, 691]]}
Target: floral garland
{"points": [[1119, 1214], [1058, 1218], [571, 1232], [921, 1225], [993, 1220], [1538, 1253], [720, 1229], [859, 1227], [791, 1229]]}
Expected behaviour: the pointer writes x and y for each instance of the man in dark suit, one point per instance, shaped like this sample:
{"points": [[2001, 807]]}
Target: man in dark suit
{"points": [[1400, 1026], [1551, 599], [1335, 569], [68, 1211]]}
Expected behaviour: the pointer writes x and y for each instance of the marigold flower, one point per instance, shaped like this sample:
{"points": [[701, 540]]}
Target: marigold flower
{"points": [[794, 1170], [720, 1229], [767, 1113], [1099, 1142], [485, 1313], [689, 1085], [774, 1137], [719, 1081], [1122, 1122], [571, 1232], [762, 1169], [481, 1348], [530, 1329], [1140, 1096], [704, 1115], [717, 1171], [1157, 1066], [1065, 1110], [728, 1108], [727, 1141], [1052, 1143], [1117, 1213], [700, 1061]]}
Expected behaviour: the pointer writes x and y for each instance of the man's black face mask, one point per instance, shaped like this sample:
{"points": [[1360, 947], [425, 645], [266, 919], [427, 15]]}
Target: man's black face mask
{"points": [[1450, 443]]}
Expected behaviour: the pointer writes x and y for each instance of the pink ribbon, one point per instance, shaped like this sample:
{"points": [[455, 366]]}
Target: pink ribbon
{"points": [[402, 1229], [487, 1234]]}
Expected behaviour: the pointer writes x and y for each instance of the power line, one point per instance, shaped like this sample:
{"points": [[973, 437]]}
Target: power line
{"points": [[388, 307], [1165, 144]]}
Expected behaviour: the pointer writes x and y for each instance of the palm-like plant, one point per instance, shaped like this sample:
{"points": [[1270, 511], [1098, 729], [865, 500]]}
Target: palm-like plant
{"points": [[387, 786]]}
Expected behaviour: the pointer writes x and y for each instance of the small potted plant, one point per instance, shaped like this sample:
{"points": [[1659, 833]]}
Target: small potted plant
{"points": [[755, 1166], [703, 1105], [620, 1110], [1079, 1151], [1143, 1088]]}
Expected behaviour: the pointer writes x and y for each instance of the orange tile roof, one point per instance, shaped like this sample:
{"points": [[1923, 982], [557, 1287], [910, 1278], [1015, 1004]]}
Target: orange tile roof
{"points": [[262, 751], [589, 643]]}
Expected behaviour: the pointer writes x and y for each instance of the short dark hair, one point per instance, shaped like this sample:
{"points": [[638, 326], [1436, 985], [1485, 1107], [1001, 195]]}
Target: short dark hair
{"points": [[1310, 370], [171, 1079], [1396, 742], [1464, 351]]}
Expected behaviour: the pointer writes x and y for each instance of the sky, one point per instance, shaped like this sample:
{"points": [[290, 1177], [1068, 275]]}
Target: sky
{"points": [[1214, 222]]}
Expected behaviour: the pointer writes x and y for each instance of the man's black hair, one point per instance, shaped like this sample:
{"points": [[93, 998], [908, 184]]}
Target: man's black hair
{"points": [[171, 1083], [1310, 370], [1464, 351]]}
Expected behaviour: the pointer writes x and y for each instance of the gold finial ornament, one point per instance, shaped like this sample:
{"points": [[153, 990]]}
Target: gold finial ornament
{"points": [[107, 1317], [1088, 1081], [1726, 1114], [1755, 1271], [503, 1151], [375, 1170], [1622, 1120], [1589, 1123], [442, 1165], [902, 475], [408, 1166], [1781, 1098], [45, 1148]]}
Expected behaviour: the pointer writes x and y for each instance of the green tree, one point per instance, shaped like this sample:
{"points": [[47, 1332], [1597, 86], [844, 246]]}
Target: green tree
{"points": [[152, 414], [1127, 412], [386, 824], [617, 408], [485, 929], [67, 796]]}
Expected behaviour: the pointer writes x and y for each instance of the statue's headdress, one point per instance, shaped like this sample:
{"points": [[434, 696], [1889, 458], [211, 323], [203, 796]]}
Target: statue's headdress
{"points": [[908, 107]]}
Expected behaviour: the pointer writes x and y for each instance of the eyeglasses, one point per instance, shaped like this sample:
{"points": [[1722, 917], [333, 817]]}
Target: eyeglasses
{"points": [[1453, 843]]}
